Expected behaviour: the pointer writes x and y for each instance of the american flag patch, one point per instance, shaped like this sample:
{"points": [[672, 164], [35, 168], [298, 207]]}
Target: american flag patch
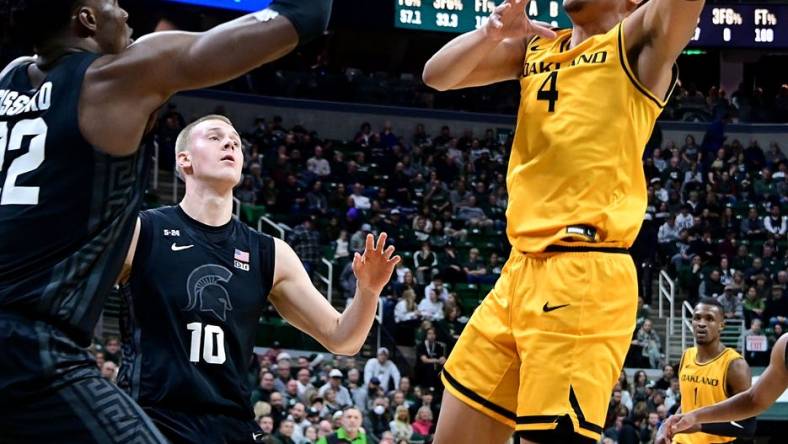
{"points": [[242, 256]]}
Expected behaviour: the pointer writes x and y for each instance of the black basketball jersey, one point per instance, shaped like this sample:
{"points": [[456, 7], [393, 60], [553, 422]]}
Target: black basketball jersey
{"points": [[67, 210], [191, 310]]}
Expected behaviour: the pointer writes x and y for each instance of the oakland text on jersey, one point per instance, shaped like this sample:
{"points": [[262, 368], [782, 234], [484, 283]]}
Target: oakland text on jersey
{"points": [[13, 103], [700, 380], [539, 67]]}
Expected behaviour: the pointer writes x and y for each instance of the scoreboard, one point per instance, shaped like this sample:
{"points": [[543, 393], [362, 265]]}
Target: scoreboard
{"points": [[734, 25], [467, 15], [743, 26]]}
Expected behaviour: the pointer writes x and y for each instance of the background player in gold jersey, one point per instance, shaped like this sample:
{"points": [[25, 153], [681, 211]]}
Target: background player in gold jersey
{"points": [[752, 402], [710, 373], [543, 350]]}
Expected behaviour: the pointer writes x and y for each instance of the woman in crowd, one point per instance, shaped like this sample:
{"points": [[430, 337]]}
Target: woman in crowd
{"points": [[401, 426], [423, 425]]}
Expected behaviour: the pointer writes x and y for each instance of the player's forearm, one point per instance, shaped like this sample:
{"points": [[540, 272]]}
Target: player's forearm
{"points": [[743, 405], [456, 61], [238, 46], [354, 324], [234, 48]]}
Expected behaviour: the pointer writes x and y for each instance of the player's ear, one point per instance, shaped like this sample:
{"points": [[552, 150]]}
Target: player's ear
{"points": [[184, 160], [86, 22]]}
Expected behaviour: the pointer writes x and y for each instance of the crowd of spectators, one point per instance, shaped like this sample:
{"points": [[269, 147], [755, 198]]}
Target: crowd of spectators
{"points": [[714, 221], [717, 222], [323, 81]]}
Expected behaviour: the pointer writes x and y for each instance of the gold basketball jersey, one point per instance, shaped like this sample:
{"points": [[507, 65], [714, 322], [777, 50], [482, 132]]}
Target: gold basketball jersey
{"points": [[575, 172], [703, 385]]}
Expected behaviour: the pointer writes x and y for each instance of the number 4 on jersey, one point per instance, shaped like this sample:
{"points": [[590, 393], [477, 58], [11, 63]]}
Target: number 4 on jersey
{"points": [[549, 93]]}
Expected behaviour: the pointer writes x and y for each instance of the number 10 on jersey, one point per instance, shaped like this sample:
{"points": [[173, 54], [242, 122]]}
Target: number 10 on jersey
{"points": [[212, 346]]}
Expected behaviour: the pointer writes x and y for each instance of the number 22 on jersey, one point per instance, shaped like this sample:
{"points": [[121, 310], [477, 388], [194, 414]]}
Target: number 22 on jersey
{"points": [[36, 131]]}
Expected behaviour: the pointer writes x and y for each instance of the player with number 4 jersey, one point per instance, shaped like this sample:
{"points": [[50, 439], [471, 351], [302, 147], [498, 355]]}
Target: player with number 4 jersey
{"points": [[543, 349], [196, 281]]}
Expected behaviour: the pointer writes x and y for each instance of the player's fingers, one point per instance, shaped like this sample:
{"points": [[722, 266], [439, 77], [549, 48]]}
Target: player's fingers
{"points": [[370, 246], [542, 31], [501, 8], [394, 261], [381, 242], [495, 21], [356, 261], [389, 251]]}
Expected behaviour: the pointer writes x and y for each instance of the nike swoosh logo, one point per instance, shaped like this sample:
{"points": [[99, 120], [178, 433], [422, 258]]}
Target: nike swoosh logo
{"points": [[180, 248], [256, 436], [534, 48], [547, 308]]}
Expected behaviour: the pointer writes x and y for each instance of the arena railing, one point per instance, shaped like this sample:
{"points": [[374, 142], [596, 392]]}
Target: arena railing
{"points": [[328, 279], [686, 324], [278, 228], [237, 208], [667, 292]]}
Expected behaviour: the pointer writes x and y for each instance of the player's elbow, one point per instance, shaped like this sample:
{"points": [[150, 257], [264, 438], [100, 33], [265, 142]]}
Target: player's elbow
{"points": [[343, 348], [433, 79]]}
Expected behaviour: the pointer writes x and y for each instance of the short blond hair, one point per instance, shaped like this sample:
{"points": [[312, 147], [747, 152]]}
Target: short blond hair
{"points": [[184, 137]]}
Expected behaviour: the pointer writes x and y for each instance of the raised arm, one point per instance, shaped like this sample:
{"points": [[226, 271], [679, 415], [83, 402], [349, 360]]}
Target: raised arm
{"points": [[748, 404], [655, 34], [299, 302], [127, 87], [490, 54]]}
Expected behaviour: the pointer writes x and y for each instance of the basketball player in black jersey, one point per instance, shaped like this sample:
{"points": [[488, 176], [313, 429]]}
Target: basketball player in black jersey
{"points": [[747, 404], [198, 283], [71, 182]]}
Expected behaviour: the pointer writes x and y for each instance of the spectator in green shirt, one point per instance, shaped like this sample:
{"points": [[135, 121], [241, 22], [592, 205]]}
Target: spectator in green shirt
{"points": [[350, 432], [753, 305]]}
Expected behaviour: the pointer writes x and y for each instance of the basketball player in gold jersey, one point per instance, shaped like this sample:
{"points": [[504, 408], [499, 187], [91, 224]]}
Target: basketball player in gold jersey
{"points": [[710, 373], [750, 403], [545, 347]]}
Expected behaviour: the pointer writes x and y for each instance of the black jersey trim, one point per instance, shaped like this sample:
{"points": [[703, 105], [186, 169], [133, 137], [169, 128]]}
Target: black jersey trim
{"points": [[477, 398], [631, 75], [581, 417], [267, 248]]}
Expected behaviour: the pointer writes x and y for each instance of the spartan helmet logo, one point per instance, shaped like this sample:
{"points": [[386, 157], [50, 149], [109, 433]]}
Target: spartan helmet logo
{"points": [[205, 289]]}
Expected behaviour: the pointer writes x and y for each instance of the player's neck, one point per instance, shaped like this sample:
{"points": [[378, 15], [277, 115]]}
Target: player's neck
{"points": [[53, 50], [583, 31], [208, 206], [707, 352]]}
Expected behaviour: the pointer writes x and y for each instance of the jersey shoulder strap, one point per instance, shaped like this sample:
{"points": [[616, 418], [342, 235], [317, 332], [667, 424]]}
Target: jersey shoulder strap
{"points": [[267, 254]]}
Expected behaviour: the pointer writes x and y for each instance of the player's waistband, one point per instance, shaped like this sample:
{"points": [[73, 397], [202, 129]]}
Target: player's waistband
{"points": [[579, 249], [584, 249]]}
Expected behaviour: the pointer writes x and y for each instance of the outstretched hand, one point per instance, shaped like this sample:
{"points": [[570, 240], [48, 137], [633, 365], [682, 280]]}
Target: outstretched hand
{"points": [[679, 423], [373, 269], [509, 20]]}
